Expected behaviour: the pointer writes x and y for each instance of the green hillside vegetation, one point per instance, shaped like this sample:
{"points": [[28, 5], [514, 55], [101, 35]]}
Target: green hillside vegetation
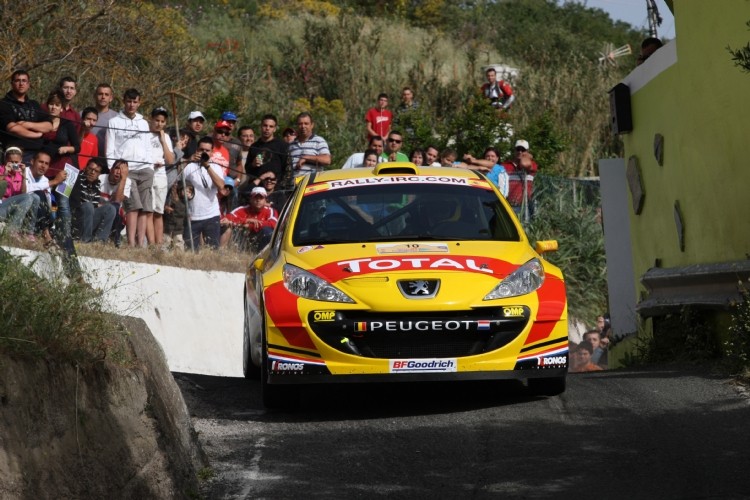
{"points": [[333, 58]]}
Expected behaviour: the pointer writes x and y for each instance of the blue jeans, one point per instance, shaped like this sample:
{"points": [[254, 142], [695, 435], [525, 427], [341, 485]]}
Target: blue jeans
{"points": [[209, 228], [18, 208], [95, 222], [63, 220]]}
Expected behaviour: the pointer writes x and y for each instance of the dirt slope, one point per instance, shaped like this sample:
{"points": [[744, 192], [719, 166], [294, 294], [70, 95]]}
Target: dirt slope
{"points": [[100, 431]]}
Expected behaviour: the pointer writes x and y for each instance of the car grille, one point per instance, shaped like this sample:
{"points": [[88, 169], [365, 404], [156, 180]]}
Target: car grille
{"points": [[406, 335]]}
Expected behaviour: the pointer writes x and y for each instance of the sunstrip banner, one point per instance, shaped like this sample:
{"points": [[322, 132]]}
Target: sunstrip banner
{"points": [[394, 179]]}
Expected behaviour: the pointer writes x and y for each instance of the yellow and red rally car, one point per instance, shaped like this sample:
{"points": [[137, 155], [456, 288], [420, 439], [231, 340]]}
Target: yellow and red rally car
{"points": [[402, 273]]}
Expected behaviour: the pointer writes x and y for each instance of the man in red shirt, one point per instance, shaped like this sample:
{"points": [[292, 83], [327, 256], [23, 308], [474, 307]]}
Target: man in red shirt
{"points": [[252, 224], [499, 92], [379, 119], [521, 171]]}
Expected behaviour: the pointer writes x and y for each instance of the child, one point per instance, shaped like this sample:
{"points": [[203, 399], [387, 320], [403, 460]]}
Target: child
{"points": [[448, 158], [370, 159], [175, 212]]}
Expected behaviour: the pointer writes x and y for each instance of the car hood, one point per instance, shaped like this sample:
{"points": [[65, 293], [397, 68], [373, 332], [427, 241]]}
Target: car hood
{"points": [[370, 272]]}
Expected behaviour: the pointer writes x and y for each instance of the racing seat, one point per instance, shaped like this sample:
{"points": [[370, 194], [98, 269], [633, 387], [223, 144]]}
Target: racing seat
{"points": [[336, 224]]}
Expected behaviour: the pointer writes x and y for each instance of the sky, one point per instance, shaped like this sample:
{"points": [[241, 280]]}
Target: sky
{"points": [[635, 13]]}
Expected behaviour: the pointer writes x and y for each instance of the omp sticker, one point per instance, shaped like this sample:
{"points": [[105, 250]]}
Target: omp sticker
{"points": [[412, 248], [512, 311], [443, 365], [324, 316]]}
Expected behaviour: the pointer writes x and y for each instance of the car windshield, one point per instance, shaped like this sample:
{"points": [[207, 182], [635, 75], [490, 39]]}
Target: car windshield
{"points": [[402, 212]]}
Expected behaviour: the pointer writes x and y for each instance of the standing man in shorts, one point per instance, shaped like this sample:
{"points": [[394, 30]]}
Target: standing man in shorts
{"points": [[129, 138]]}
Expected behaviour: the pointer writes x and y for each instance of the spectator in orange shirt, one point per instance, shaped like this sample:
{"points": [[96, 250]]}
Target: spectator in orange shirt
{"points": [[89, 140], [379, 118], [580, 358]]}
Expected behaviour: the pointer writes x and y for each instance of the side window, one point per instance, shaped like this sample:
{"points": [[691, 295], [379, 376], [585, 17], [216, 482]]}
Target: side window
{"points": [[278, 234]]}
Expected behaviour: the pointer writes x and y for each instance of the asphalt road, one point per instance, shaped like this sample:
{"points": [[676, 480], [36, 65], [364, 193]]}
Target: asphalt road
{"points": [[681, 433]]}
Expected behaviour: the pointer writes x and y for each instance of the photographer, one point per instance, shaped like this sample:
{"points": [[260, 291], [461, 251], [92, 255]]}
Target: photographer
{"points": [[16, 202], [207, 178]]}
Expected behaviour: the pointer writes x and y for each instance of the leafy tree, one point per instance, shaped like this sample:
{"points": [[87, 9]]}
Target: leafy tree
{"points": [[741, 56], [131, 45]]}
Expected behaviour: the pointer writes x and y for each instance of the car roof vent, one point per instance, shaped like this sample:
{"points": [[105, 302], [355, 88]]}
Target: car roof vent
{"points": [[396, 167]]}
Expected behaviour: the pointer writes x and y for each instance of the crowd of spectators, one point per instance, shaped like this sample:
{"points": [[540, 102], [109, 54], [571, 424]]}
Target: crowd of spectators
{"points": [[97, 174], [589, 353]]}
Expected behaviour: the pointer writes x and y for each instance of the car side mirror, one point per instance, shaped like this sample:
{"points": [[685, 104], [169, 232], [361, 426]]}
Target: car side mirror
{"points": [[542, 247]]}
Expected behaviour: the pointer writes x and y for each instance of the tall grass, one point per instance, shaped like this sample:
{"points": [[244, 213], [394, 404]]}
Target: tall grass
{"points": [[55, 318]]}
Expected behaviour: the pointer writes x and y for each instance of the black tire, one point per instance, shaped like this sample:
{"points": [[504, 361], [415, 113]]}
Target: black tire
{"points": [[249, 370], [547, 386]]}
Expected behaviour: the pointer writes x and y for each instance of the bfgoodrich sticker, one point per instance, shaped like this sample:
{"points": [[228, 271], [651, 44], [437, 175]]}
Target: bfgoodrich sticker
{"points": [[423, 365]]}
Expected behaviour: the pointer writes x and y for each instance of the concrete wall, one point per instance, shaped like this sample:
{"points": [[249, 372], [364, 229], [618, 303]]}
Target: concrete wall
{"points": [[196, 316], [699, 101]]}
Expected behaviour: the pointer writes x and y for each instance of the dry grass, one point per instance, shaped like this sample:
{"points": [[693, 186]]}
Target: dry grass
{"points": [[229, 260]]}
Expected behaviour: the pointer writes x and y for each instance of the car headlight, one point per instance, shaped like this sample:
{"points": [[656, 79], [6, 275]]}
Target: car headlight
{"points": [[307, 285], [523, 280]]}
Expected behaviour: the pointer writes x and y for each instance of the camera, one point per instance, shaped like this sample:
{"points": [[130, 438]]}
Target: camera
{"points": [[204, 157], [15, 166]]}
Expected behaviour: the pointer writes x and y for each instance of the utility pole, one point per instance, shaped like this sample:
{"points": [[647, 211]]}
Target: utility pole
{"points": [[654, 19]]}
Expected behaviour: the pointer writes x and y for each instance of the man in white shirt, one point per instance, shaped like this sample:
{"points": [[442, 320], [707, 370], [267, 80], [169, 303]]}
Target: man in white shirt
{"points": [[129, 138], [357, 159], [207, 178], [38, 184]]}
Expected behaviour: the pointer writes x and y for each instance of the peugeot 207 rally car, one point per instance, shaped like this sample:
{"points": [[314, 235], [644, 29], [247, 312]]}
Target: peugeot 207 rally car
{"points": [[402, 273]]}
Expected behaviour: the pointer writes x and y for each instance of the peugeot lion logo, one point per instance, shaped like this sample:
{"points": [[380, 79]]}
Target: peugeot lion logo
{"points": [[419, 289]]}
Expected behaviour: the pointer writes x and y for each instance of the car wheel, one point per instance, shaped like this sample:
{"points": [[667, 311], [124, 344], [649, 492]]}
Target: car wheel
{"points": [[250, 367], [275, 396], [547, 386]]}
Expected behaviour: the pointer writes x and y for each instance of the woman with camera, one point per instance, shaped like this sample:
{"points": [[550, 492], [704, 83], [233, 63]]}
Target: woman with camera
{"points": [[16, 203]]}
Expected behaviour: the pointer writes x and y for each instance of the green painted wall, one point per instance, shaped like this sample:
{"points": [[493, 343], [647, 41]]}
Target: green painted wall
{"points": [[701, 105]]}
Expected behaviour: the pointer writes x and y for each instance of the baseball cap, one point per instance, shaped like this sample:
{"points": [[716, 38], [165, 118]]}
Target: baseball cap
{"points": [[228, 181], [222, 124], [259, 191], [196, 114], [228, 116], [520, 143]]}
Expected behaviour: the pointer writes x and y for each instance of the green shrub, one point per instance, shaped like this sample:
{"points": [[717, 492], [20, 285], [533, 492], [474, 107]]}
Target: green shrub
{"points": [[737, 345], [567, 211], [54, 318]]}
